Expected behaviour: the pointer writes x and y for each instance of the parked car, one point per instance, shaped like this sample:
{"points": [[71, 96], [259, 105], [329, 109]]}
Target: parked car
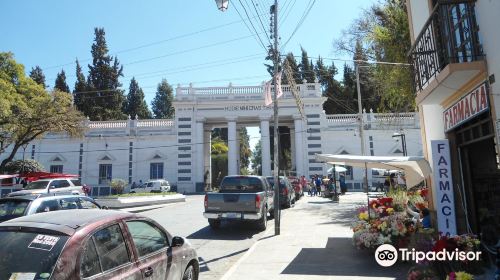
{"points": [[94, 244], [245, 198], [153, 186], [51, 186], [287, 193], [295, 182], [17, 206]]}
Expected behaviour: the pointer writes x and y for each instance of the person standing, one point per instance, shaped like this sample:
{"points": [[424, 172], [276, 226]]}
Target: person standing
{"points": [[343, 186], [318, 185]]}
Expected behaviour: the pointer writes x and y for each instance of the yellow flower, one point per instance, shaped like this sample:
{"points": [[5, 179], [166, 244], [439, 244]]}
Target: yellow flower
{"points": [[390, 210], [363, 216]]}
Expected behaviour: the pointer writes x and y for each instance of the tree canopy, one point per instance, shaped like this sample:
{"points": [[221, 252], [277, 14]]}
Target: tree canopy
{"points": [[61, 82], [28, 111], [135, 104], [162, 103], [37, 75]]}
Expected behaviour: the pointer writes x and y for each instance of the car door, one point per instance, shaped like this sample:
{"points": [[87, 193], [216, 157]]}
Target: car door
{"points": [[152, 248], [60, 187], [106, 256]]}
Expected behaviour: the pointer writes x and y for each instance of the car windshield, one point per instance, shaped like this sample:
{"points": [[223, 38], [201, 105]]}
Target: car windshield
{"points": [[29, 255], [10, 209], [37, 185], [241, 185]]}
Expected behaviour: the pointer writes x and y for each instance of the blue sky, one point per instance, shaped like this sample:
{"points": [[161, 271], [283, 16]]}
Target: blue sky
{"points": [[182, 41]]}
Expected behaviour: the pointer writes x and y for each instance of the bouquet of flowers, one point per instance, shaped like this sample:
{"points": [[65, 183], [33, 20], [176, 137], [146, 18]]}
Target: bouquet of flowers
{"points": [[461, 275]]}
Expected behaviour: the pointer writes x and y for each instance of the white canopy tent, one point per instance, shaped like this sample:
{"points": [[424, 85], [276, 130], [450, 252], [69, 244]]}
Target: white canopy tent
{"points": [[338, 169], [415, 168]]}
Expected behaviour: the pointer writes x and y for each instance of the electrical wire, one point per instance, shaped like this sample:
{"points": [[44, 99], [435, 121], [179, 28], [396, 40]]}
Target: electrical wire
{"points": [[251, 23], [260, 20], [301, 21], [155, 43]]}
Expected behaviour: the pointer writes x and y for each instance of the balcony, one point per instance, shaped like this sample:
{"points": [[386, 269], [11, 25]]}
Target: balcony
{"points": [[447, 54]]}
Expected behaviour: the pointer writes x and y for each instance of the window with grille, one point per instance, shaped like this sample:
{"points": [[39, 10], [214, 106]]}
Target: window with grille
{"points": [[105, 173], [56, 169], [156, 170]]}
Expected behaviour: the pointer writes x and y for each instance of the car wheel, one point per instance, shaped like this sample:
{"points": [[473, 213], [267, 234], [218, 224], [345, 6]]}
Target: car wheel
{"points": [[262, 223], [190, 273], [214, 223]]}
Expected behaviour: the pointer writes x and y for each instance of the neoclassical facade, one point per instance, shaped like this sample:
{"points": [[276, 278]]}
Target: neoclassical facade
{"points": [[179, 149]]}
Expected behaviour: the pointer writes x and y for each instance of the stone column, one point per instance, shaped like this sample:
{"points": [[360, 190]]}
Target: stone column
{"points": [[266, 145], [199, 166], [292, 148], [232, 155], [299, 148], [238, 163]]}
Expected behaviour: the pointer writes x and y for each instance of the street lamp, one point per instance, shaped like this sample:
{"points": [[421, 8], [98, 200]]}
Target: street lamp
{"points": [[222, 4], [401, 135]]}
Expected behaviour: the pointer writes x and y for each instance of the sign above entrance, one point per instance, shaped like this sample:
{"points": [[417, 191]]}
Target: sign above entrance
{"points": [[246, 108], [469, 106]]}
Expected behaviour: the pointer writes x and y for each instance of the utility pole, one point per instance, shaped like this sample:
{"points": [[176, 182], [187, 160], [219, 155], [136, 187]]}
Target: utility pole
{"points": [[361, 125], [276, 60]]}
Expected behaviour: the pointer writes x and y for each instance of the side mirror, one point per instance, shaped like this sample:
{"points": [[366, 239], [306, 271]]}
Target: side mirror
{"points": [[177, 241], [105, 207]]}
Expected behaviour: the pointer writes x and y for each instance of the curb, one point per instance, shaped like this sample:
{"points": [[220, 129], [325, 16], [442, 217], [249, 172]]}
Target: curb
{"points": [[117, 204]]}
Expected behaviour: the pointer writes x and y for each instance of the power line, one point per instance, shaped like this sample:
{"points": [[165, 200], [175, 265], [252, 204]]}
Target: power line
{"points": [[301, 21], [251, 23], [189, 50], [155, 43], [260, 20]]}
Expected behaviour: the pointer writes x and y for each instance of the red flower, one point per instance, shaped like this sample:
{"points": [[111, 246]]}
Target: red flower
{"points": [[424, 192]]}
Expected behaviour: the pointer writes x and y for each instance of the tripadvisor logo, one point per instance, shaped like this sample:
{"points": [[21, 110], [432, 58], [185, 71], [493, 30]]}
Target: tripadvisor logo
{"points": [[386, 255]]}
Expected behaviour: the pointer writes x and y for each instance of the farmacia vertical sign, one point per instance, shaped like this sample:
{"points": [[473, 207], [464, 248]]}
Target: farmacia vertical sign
{"points": [[444, 187]]}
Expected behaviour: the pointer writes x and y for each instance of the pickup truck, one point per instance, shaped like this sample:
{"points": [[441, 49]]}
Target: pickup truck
{"points": [[244, 198]]}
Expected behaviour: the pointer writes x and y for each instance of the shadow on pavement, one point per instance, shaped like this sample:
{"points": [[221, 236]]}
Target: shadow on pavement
{"points": [[227, 231], [341, 258]]}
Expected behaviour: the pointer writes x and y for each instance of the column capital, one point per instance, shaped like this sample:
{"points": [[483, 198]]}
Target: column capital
{"points": [[297, 117], [231, 118], [201, 119]]}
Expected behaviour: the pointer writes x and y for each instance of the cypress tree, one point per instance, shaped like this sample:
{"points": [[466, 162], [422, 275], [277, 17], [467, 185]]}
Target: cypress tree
{"points": [[290, 58], [162, 103], [136, 105], [61, 82], [79, 94], [305, 68], [103, 83], [37, 75]]}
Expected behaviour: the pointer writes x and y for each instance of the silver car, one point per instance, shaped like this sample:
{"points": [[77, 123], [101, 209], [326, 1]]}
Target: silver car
{"points": [[51, 186]]}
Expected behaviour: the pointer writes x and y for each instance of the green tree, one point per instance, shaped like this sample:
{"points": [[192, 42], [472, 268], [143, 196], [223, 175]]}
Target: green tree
{"points": [[306, 68], [61, 82], [245, 151], [332, 88], [257, 158], [37, 75], [28, 111], [103, 83], [23, 166], [219, 161], [290, 58], [136, 105], [82, 104], [162, 103], [383, 30]]}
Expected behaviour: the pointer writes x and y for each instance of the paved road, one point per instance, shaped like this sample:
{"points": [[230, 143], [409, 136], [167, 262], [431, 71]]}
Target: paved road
{"points": [[218, 250]]}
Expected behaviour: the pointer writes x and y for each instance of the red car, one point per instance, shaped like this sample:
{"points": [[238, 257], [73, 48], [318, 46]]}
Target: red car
{"points": [[94, 244]]}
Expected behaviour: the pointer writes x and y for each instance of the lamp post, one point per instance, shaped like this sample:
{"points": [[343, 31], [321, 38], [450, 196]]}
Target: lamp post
{"points": [[401, 135], [222, 6]]}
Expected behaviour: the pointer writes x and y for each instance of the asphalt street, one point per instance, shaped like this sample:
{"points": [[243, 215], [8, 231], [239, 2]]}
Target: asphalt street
{"points": [[218, 249]]}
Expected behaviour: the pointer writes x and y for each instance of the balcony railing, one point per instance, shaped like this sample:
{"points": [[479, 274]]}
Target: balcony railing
{"points": [[450, 35]]}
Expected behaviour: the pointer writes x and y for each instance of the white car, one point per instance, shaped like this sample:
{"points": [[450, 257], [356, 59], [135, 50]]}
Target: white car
{"points": [[153, 186], [51, 186]]}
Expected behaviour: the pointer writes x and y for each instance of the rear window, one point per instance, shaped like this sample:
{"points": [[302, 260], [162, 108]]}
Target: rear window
{"points": [[270, 180], [37, 185], [11, 209], [241, 185], [76, 182], [29, 254]]}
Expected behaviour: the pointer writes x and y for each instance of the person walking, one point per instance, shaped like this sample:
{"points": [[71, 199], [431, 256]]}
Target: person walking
{"points": [[318, 185], [343, 186], [312, 186]]}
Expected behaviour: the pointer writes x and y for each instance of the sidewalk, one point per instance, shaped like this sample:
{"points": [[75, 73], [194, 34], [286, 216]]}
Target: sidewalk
{"points": [[315, 243]]}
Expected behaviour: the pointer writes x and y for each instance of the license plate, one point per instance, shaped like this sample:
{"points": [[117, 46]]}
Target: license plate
{"points": [[233, 215]]}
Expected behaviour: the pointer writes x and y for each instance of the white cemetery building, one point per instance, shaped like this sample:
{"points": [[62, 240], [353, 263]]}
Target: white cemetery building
{"points": [[179, 149]]}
